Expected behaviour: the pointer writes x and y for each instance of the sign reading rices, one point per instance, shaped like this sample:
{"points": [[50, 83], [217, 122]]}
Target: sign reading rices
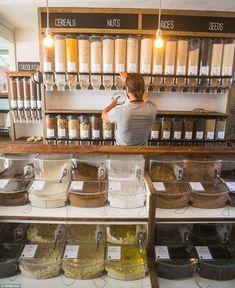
{"points": [[91, 20]]}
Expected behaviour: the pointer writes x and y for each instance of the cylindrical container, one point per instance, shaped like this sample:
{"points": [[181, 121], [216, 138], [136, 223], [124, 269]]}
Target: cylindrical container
{"points": [[14, 93], [166, 128], [210, 129], [170, 56], [33, 95], [182, 55], [205, 58], [193, 56], [85, 127], [73, 126], [146, 52], [155, 132], [96, 54], [120, 54], [60, 53], [158, 60], [228, 57], [20, 92], [108, 54], [71, 53], [47, 58], [188, 129], [107, 130], [84, 54], [95, 127], [27, 92], [132, 59], [51, 126], [177, 129], [220, 129], [199, 126], [62, 127], [39, 97], [216, 58]]}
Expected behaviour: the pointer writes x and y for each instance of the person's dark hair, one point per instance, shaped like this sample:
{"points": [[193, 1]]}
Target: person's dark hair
{"points": [[135, 85]]}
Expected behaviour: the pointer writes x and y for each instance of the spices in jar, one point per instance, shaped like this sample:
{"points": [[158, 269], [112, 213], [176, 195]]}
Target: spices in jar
{"points": [[182, 53], [85, 127], [120, 54], [27, 92], [33, 89], [193, 56], [166, 128], [73, 126], [188, 129], [220, 129], [62, 127], [71, 53], [210, 129], [199, 129], [146, 55], [51, 126], [47, 58], [20, 92], [108, 54], [96, 54], [177, 128], [228, 58], [170, 56], [95, 127], [205, 59], [158, 59], [107, 131], [14, 93], [132, 54], [216, 58], [60, 53], [84, 54], [155, 132]]}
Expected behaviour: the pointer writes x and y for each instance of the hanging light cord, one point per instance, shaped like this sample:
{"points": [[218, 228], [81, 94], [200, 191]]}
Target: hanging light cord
{"points": [[48, 14], [159, 18]]}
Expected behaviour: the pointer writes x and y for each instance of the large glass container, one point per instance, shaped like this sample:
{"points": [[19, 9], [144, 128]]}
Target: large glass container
{"points": [[182, 55], [73, 126], [158, 60], [108, 54], [51, 126], [71, 53], [47, 58], [60, 53], [228, 58], [120, 53], [216, 58], [62, 127], [193, 56], [146, 52], [170, 56], [14, 94], [85, 127], [84, 54], [132, 54], [95, 127], [96, 54], [205, 58], [20, 92], [27, 93]]}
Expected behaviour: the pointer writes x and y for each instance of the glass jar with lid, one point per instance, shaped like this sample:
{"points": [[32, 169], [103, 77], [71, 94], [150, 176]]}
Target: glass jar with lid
{"points": [[132, 58], [146, 52], [188, 129], [95, 127], [14, 93], [96, 54], [33, 89], [199, 126], [51, 126], [62, 126], [108, 54], [85, 127], [170, 56], [158, 60], [216, 58], [107, 130], [84, 54], [60, 53], [228, 57], [120, 53], [193, 56], [155, 132], [27, 92], [20, 92], [47, 58], [220, 129], [210, 129], [182, 55], [166, 128], [71, 53], [177, 129], [205, 58], [73, 126]]}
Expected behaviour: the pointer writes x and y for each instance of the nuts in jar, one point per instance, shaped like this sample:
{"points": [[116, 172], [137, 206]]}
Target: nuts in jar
{"points": [[95, 127], [107, 130], [73, 126], [85, 127], [51, 126], [62, 126]]}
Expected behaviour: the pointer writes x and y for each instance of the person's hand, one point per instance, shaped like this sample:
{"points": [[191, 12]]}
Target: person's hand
{"points": [[114, 101], [123, 76]]}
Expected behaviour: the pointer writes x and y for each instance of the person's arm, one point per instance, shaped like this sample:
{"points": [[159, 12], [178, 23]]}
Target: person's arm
{"points": [[105, 115]]}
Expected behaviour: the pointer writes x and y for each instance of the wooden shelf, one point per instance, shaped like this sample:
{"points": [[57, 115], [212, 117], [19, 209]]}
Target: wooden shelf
{"points": [[73, 111], [4, 95]]}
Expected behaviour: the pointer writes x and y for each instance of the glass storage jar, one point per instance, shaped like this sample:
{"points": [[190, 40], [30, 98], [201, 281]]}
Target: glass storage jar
{"points": [[158, 60], [84, 54], [182, 56], [166, 127], [47, 58], [20, 92], [177, 129], [27, 92], [51, 126], [107, 130], [155, 132], [71, 53], [95, 127], [14, 93], [62, 127], [216, 58], [205, 57], [193, 56], [33, 100], [228, 58], [108, 54], [120, 53], [73, 126], [170, 56], [146, 55], [210, 129], [199, 127], [188, 129], [132, 54], [85, 127], [96, 54], [220, 129], [60, 53]]}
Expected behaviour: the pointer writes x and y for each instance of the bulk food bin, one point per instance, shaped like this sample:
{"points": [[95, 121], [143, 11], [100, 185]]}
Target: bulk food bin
{"points": [[88, 194], [228, 177], [125, 234], [44, 233]]}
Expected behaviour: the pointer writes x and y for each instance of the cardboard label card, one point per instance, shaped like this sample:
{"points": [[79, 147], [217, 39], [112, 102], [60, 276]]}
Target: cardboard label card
{"points": [[71, 251], [196, 186], [161, 252], [203, 252], [114, 253], [29, 251], [159, 186]]}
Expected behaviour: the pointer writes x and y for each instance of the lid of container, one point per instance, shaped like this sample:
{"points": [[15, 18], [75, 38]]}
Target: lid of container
{"points": [[88, 188], [59, 36], [170, 38], [83, 37], [71, 36], [132, 36], [147, 37], [107, 37], [61, 116], [120, 37], [15, 186], [95, 38], [206, 40]]}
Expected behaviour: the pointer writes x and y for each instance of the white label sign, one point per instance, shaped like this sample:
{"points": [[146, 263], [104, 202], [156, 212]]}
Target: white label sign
{"points": [[154, 134], [119, 68], [37, 185], [72, 133], [177, 135], [71, 251], [210, 135], [216, 70], [181, 70], [47, 66], [169, 69], [13, 104], [192, 70], [196, 186], [145, 69], [157, 69], [221, 134], [72, 67], [95, 68], [107, 134], [3, 183], [188, 135], [204, 70], [166, 135], [59, 67], [231, 186], [199, 135], [161, 252], [83, 67], [203, 252], [50, 133], [29, 251], [132, 68], [61, 132], [115, 186], [228, 71], [76, 185], [159, 186], [114, 253], [84, 134], [108, 68], [95, 134]]}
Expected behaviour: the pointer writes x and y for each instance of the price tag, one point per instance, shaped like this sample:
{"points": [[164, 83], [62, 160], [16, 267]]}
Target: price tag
{"points": [[181, 70], [39, 104], [72, 67], [95, 134], [47, 66], [13, 104], [161, 252], [38, 185], [95, 68], [192, 70], [33, 103], [20, 103], [115, 186], [26, 104], [170, 69], [203, 252], [72, 133], [3, 183], [196, 186], [210, 135], [159, 186], [199, 135], [71, 251], [61, 132], [50, 133], [76, 185], [231, 186], [108, 68], [120, 68], [154, 134], [83, 67], [59, 67], [84, 134], [145, 69], [166, 135], [221, 134], [204, 70], [132, 68], [188, 135], [114, 253], [29, 251], [216, 71], [228, 71], [177, 135], [107, 134], [157, 69]]}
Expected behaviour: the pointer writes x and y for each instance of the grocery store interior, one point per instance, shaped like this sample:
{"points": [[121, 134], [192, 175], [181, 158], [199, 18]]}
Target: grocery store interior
{"points": [[117, 143]]}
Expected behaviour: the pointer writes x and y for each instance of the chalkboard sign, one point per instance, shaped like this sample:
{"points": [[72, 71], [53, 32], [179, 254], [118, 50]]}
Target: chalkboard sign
{"points": [[189, 23], [28, 66], [91, 20]]}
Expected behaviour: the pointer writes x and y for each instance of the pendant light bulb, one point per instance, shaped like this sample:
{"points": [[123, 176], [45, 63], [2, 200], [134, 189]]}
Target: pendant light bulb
{"points": [[48, 40], [159, 42]]}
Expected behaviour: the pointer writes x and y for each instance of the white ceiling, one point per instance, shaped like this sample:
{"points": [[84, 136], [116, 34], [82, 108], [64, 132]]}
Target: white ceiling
{"points": [[22, 14]]}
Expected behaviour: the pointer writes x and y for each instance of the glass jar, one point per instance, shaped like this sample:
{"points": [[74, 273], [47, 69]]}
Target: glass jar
{"points": [[188, 129], [170, 56], [155, 132], [108, 54], [47, 58], [51, 126], [132, 54], [95, 127], [20, 92], [85, 127], [27, 92], [199, 129], [120, 54], [33, 95], [193, 56], [177, 128], [166, 128], [205, 59], [158, 59], [73, 126], [71, 53], [216, 58], [220, 129], [181, 59], [62, 127], [84, 54], [14, 93], [228, 57], [107, 130], [210, 129], [146, 52], [96, 54], [60, 53]]}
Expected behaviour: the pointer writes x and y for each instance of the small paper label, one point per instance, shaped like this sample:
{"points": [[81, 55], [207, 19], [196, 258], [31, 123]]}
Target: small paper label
{"points": [[157, 69], [177, 135], [221, 134], [154, 134], [59, 67], [50, 133], [181, 70], [132, 68], [71, 251], [192, 70], [169, 69], [95, 134], [231, 186], [83, 67], [115, 186], [13, 104], [166, 135], [161, 252], [228, 71], [204, 70], [72, 67], [108, 68], [107, 134], [84, 134], [47, 66], [29, 251], [73, 133], [216, 70], [210, 135], [120, 68], [39, 104], [61, 132], [26, 104], [145, 69], [95, 68], [196, 186], [159, 186], [38, 185], [199, 135], [3, 183], [76, 185], [203, 252], [188, 135], [20, 103], [114, 253], [33, 104]]}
